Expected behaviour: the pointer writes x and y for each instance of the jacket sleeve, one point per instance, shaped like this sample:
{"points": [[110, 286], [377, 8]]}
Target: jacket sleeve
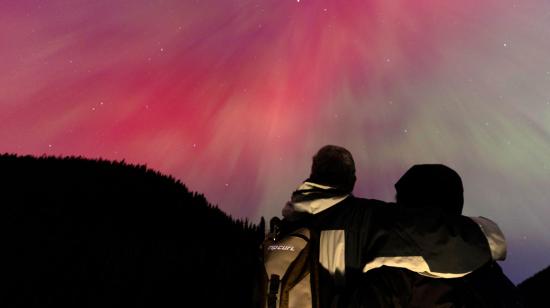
{"points": [[495, 237], [426, 241]]}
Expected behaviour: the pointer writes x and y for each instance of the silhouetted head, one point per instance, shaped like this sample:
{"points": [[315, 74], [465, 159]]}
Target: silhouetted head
{"points": [[333, 166], [431, 186]]}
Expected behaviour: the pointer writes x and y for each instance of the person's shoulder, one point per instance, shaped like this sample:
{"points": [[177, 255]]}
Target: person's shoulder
{"points": [[369, 202], [369, 207]]}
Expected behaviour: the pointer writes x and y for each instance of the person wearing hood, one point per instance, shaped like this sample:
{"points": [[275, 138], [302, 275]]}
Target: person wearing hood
{"points": [[437, 187], [357, 235]]}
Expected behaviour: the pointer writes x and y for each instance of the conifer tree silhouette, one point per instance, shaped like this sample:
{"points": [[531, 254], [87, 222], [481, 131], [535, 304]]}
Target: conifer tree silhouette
{"points": [[96, 233]]}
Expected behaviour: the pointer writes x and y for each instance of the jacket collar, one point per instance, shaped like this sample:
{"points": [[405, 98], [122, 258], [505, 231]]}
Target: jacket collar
{"points": [[312, 198]]}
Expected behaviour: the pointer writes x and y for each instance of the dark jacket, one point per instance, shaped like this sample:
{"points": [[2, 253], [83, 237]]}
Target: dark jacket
{"points": [[389, 287], [354, 232]]}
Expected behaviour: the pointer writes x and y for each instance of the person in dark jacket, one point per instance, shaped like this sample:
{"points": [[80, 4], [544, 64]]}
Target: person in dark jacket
{"points": [[355, 233], [324, 202], [435, 187]]}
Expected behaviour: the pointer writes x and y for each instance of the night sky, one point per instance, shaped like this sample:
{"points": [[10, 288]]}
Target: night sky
{"points": [[233, 97]]}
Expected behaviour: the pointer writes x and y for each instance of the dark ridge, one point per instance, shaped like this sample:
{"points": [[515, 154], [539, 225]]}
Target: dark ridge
{"points": [[535, 289], [97, 233]]}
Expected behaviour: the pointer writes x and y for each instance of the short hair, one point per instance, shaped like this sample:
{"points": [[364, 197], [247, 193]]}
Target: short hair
{"points": [[431, 186], [333, 166]]}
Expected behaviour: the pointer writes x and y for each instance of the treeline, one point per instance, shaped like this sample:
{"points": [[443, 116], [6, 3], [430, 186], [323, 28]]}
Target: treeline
{"points": [[95, 233]]}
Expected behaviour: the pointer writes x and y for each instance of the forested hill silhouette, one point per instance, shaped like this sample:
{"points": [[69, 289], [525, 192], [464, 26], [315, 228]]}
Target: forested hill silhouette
{"points": [[535, 289], [94, 233]]}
